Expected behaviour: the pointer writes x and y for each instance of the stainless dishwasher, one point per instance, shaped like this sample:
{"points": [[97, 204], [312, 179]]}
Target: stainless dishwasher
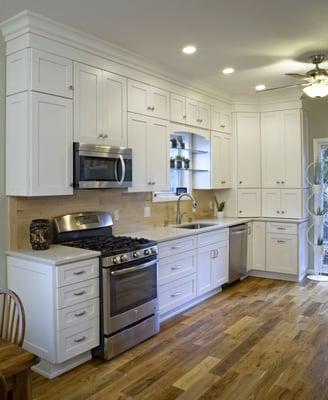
{"points": [[237, 252]]}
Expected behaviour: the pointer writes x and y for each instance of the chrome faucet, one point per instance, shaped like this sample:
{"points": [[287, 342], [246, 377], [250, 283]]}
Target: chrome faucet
{"points": [[179, 214]]}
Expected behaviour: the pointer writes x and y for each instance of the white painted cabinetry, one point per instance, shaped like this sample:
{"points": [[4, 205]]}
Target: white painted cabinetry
{"points": [[221, 160], [281, 253], [148, 100], [198, 114], [258, 246], [249, 202], [220, 119], [149, 139], [100, 106], [177, 108], [248, 139], [285, 203]]}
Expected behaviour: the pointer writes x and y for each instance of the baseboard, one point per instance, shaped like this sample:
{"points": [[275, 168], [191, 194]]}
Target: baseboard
{"points": [[274, 275]]}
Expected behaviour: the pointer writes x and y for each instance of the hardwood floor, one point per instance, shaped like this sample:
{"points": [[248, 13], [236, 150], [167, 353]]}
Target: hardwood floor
{"points": [[261, 339]]}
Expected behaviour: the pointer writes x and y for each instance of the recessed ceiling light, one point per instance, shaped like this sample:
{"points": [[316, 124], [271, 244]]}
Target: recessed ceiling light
{"points": [[228, 71], [189, 49], [258, 88]]}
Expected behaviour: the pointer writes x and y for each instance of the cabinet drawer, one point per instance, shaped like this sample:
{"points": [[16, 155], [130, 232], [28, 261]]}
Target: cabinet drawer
{"points": [[81, 312], [77, 272], [281, 254], [77, 340], [177, 293], [213, 237], [175, 267], [78, 292], [275, 227], [176, 246]]}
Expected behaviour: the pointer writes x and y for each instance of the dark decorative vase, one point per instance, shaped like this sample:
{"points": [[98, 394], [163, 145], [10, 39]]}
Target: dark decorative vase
{"points": [[40, 234], [178, 164], [172, 163], [187, 164]]}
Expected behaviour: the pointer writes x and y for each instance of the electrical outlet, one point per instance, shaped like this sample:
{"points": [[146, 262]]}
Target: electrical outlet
{"points": [[116, 215], [147, 212]]}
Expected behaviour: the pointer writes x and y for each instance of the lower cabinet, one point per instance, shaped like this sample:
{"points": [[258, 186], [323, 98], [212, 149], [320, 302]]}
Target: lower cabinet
{"points": [[258, 246], [249, 203], [281, 254], [283, 203]]}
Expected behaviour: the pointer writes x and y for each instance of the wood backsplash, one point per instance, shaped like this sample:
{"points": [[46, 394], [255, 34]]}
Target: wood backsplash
{"points": [[130, 205]]}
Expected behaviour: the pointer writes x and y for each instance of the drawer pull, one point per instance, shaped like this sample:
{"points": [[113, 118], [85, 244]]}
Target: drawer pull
{"points": [[281, 241], [80, 293], [280, 228], [79, 340], [79, 314], [176, 267], [79, 272], [176, 294], [176, 247]]}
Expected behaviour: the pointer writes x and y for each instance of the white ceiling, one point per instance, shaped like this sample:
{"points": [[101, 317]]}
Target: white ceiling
{"points": [[261, 39]]}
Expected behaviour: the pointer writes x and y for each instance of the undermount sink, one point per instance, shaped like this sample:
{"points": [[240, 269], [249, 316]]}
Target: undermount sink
{"points": [[195, 226]]}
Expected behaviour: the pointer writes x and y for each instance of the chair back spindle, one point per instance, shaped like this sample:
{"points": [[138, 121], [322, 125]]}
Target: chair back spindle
{"points": [[12, 317]]}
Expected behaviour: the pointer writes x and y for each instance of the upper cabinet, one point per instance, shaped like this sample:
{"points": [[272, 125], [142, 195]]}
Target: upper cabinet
{"points": [[220, 120], [177, 108], [248, 138], [221, 156], [282, 149], [148, 100], [198, 114], [100, 106], [31, 69]]}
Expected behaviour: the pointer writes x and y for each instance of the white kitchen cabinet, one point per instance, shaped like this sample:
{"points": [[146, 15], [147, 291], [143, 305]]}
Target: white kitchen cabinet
{"points": [[282, 149], [39, 145], [249, 202], [221, 160], [198, 114], [248, 138], [258, 246], [220, 120], [283, 203], [148, 100], [149, 139], [281, 253], [37, 70], [100, 106], [177, 108]]}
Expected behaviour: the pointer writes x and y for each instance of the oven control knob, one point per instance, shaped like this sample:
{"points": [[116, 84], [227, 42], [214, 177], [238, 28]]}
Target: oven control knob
{"points": [[146, 252], [115, 260], [136, 254], [124, 258], [153, 250]]}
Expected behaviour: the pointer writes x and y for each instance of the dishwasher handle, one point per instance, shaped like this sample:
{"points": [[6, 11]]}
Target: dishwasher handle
{"points": [[238, 232]]}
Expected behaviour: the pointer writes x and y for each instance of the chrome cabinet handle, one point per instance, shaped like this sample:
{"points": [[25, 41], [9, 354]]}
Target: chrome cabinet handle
{"points": [[149, 108], [222, 126], [278, 182], [282, 212], [79, 272], [100, 136], [79, 314], [223, 182], [79, 340], [184, 116], [278, 212], [281, 241], [282, 182], [176, 267], [153, 108], [80, 293], [240, 212], [176, 247], [240, 182], [105, 136], [177, 294], [280, 228], [71, 87]]}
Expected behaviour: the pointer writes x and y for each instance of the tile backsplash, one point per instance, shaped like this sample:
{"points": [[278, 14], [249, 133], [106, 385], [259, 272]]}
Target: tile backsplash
{"points": [[130, 205]]}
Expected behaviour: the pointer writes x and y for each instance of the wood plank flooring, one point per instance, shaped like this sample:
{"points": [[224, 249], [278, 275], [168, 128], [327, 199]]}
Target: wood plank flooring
{"points": [[260, 339]]}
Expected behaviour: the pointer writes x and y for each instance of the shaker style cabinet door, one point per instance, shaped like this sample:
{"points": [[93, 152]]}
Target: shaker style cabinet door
{"points": [[291, 203], [204, 269], [88, 105], [114, 109], [258, 248], [204, 115], [220, 265], [249, 202], [178, 108], [138, 100], [159, 102], [271, 203], [281, 253], [221, 160], [192, 112]]}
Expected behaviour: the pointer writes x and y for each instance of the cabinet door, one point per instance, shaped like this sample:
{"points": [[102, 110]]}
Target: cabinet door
{"points": [[249, 246], [87, 104], [225, 122], [291, 203], [137, 140], [248, 150], [158, 154], [114, 109], [138, 101], [221, 160], [52, 145], [249, 202], [220, 265], [216, 119], [271, 203], [52, 74], [178, 108], [159, 101], [292, 150], [271, 136], [204, 115], [258, 247], [281, 253], [205, 256], [192, 112]]}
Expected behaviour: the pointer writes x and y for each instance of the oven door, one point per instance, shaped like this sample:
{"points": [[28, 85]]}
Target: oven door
{"points": [[129, 294], [98, 166]]}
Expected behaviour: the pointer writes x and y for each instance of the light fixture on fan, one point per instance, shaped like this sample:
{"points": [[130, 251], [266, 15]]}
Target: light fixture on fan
{"points": [[316, 79]]}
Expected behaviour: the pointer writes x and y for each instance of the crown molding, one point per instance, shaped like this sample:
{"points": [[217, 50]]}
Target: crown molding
{"points": [[30, 22]]}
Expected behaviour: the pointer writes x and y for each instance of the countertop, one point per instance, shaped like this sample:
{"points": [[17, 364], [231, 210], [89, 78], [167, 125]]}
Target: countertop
{"points": [[55, 255]]}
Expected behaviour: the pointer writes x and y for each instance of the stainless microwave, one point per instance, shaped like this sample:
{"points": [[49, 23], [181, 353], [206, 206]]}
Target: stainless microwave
{"points": [[100, 166]]}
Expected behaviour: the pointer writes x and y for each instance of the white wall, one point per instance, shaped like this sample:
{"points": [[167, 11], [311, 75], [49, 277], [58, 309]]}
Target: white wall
{"points": [[3, 201]]}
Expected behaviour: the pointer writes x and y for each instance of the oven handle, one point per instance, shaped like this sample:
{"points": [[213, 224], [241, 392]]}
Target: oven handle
{"points": [[121, 159], [132, 269]]}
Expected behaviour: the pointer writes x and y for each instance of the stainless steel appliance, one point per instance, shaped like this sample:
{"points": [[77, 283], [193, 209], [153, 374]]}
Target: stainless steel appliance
{"points": [[128, 279], [237, 252], [99, 166]]}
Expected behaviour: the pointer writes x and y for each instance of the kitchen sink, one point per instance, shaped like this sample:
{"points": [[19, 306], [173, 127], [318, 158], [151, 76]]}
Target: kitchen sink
{"points": [[195, 226]]}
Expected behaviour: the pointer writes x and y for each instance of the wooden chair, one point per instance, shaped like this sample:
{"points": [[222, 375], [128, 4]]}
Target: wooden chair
{"points": [[12, 317], [3, 388]]}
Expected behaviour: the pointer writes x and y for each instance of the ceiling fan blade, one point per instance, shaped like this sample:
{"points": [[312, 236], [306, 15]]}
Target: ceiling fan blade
{"points": [[282, 87], [298, 76]]}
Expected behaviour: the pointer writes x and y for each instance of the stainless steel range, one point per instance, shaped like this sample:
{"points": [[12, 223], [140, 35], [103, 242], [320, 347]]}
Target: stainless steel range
{"points": [[128, 279]]}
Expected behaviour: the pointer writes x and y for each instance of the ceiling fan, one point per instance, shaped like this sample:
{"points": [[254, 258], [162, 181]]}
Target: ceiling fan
{"points": [[316, 80]]}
